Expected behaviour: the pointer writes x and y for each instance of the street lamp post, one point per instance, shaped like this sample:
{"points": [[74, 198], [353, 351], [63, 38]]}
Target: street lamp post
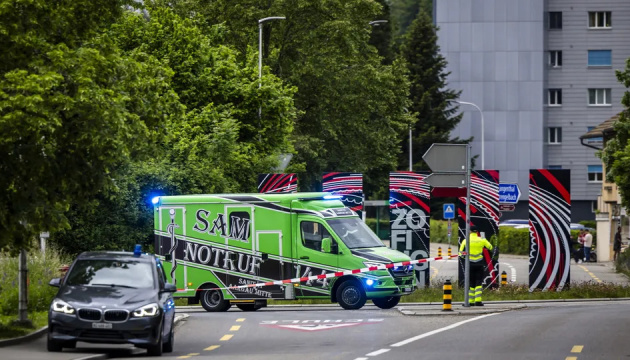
{"points": [[377, 22], [260, 29], [483, 165]]}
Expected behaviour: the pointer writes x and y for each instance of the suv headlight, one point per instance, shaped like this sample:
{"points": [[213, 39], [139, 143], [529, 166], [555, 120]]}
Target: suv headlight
{"points": [[62, 307], [147, 311]]}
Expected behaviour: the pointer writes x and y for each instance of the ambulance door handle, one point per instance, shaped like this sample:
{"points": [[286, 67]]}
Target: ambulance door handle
{"points": [[303, 257]]}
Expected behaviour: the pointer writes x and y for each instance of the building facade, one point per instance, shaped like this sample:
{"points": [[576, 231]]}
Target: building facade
{"points": [[543, 73]]}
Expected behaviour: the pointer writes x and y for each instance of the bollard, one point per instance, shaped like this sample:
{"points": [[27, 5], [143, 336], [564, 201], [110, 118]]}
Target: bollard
{"points": [[503, 278], [439, 251], [448, 296], [449, 251]]}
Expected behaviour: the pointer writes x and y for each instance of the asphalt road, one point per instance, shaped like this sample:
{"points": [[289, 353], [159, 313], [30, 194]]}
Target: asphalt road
{"points": [[588, 330]]}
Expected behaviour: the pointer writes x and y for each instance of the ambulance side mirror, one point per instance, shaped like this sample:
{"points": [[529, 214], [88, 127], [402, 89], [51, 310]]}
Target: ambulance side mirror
{"points": [[326, 242], [168, 257]]}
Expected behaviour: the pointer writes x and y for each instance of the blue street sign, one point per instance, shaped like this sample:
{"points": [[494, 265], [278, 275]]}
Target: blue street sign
{"points": [[449, 211], [509, 193]]}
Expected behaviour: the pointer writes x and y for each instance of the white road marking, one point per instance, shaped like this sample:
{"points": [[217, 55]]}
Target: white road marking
{"points": [[422, 336], [378, 352], [512, 271]]}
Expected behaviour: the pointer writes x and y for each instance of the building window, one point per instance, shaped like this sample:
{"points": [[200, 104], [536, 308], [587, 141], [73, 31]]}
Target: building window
{"points": [[600, 58], [594, 206], [554, 135], [594, 141], [554, 97], [554, 167], [555, 20], [599, 20], [598, 97], [595, 173], [555, 59]]}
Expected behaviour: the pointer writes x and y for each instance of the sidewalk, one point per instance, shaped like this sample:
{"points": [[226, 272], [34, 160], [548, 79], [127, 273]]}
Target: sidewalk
{"points": [[457, 309]]}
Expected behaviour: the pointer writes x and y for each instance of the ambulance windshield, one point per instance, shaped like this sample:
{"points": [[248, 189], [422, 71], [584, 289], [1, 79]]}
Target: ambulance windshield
{"points": [[354, 233]]}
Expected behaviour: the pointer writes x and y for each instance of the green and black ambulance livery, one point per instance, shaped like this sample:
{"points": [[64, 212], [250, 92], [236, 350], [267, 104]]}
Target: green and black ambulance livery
{"points": [[219, 241]]}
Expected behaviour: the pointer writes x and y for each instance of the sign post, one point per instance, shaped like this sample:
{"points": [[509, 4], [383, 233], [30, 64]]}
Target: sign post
{"points": [[450, 164]]}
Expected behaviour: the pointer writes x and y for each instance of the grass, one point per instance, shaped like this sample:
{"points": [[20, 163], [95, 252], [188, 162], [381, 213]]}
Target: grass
{"points": [[9, 330], [510, 292]]}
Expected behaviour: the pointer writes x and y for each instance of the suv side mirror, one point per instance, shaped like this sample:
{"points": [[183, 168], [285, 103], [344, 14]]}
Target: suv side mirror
{"points": [[56, 282], [168, 287]]}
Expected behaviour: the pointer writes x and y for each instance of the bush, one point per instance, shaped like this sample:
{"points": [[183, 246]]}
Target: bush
{"points": [[41, 268]]}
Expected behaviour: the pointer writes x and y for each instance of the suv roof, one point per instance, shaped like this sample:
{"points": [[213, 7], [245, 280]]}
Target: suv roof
{"points": [[115, 255]]}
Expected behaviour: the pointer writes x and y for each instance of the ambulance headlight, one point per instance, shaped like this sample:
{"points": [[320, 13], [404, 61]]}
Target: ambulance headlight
{"points": [[369, 282]]}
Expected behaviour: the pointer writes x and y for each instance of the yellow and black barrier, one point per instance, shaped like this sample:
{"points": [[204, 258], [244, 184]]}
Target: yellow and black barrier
{"points": [[439, 251], [448, 296], [449, 251], [503, 278]]}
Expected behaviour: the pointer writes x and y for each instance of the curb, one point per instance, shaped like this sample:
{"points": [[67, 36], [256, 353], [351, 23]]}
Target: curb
{"points": [[22, 339], [42, 331], [437, 312]]}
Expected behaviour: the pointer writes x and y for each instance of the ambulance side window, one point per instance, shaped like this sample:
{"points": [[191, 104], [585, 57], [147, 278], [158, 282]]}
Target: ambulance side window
{"points": [[312, 234]]}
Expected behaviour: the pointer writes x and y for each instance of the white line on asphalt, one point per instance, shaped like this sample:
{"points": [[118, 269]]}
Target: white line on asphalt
{"points": [[361, 359], [377, 352], [422, 336], [512, 271]]}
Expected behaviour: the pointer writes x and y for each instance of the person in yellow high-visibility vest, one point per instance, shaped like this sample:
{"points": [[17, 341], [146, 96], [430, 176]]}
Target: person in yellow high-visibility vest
{"points": [[477, 264]]}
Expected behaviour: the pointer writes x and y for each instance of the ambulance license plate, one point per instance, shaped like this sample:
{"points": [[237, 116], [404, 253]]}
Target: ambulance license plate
{"points": [[407, 289], [101, 325]]}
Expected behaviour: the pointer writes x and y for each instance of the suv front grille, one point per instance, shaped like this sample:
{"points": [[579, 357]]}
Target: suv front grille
{"points": [[116, 315], [89, 314]]}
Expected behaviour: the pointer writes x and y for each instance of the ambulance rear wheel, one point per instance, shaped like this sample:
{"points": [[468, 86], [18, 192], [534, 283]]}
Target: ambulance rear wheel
{"points": [[249, 307], [351, 295], [213, 301], [386, 302]]}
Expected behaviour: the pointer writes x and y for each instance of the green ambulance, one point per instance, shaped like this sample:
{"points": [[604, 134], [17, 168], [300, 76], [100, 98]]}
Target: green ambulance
{"points": [[220, 241]]}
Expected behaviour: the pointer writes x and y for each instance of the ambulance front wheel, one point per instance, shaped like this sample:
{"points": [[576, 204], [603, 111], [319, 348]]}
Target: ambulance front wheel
{"points": [[213, 301], [386, 302], [351, 295]]}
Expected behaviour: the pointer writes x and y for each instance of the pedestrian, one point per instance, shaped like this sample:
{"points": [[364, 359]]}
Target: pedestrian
{"points": [[576, 254], [477, 265], [588, 242], [617, 244]]}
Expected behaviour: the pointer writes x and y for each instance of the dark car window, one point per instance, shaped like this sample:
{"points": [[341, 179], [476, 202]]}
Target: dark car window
{"points": [[354, 233], [123, 273]]}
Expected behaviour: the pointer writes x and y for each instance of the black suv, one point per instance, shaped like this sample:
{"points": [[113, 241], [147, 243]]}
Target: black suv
{"points": [[115, 298]]}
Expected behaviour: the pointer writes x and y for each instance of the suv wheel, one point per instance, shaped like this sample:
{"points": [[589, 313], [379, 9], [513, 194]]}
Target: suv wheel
{"points": [[213, 301], [167, 347], [53, 345], [156, 350]]}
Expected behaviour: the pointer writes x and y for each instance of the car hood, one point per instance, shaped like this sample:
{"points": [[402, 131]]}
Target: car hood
{"points": [[380, 255], [106, 296]]}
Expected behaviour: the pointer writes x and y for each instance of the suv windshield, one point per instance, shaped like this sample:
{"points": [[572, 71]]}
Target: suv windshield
{"points": [[354, 233], [122, 273]]}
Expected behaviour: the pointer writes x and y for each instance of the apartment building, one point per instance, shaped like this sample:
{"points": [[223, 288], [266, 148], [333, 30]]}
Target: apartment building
{"points": [[542, 72]]}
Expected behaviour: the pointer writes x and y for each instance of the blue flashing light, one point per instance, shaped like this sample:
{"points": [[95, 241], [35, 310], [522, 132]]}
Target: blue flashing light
{"points": [[369, 282], [332, 197], [155, 200], [137, 251]]}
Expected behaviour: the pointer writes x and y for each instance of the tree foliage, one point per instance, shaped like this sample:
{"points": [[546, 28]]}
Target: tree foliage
{"points": [[431, 100], [215, 146], [616, 153], [73, 109]]}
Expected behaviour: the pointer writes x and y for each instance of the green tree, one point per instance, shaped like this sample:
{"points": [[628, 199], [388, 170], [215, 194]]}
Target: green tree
{"points": [[217, 146], [381, 36], [616, 153], [73, 109], [430, 98]]}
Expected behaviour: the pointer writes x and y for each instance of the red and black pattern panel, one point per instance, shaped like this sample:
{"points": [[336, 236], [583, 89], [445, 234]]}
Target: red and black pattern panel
{"points": [[277, 183], [484, 214], [549, 229], [348, 185], [409, 206]]}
